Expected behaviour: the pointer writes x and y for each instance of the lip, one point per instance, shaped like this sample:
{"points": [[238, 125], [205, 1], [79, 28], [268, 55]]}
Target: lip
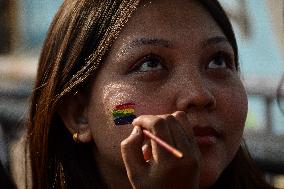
{"points": [[206, 136]]}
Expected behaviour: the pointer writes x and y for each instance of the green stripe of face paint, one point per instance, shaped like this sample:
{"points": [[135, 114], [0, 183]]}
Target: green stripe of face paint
{"points": [[121, 114]]}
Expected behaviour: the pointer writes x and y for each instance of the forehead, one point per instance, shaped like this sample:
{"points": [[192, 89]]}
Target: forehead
{"points": [[175, 20]]}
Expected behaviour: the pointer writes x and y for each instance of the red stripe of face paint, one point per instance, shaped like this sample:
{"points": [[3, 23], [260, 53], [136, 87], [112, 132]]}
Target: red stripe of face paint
{"points": [[125, 106]]}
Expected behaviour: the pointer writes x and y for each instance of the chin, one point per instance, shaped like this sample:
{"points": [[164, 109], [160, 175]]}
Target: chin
{"points": [[210, 173], [207, 180]]}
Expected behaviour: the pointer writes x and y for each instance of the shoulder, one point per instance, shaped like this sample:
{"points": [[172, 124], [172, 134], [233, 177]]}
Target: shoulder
{"points": [[20, 164]]}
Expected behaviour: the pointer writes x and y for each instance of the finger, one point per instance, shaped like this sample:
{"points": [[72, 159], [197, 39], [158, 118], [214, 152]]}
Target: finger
{"points": [[162, 153], [157, 125], [147, 151], [184, 122], [132, 154], [184, 137]]}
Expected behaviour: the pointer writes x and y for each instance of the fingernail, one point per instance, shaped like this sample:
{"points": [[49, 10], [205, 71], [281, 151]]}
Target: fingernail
{"points": [[135, 130]]}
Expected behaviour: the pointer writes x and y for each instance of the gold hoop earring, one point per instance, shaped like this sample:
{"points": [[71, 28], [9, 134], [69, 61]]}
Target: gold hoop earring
{"points": [[75, 138]]}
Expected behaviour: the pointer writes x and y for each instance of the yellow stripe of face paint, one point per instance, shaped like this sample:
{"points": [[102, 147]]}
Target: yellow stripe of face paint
{"points": [[125, 111]]}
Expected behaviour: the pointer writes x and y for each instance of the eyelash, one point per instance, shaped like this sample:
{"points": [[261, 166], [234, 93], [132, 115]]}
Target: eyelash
{"points": [[227, 58], [150, 57]]}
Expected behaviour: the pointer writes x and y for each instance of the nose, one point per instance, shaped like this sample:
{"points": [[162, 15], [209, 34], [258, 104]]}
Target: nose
{"points": [[195, 95]]}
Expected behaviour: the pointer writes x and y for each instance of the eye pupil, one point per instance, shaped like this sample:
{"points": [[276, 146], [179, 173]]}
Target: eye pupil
{"points": [[219, 61], [152, 63]]}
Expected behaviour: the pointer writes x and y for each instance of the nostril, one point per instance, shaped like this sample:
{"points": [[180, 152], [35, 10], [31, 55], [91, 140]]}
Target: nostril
{"points": [[211, 103]]}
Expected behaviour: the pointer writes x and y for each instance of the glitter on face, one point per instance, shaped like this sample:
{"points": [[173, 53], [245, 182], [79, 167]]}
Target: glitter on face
{"points": [[123, 114]]}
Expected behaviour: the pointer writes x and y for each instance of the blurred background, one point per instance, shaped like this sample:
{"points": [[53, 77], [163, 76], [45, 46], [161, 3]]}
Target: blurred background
{"points": [[259, 26]]}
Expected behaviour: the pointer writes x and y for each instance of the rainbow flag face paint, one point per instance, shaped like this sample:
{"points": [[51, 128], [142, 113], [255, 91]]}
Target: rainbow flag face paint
{"points": [[123, 114]]}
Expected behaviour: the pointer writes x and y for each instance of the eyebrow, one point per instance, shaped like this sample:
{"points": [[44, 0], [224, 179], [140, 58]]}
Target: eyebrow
{"points": [[151, 41], [215, 40], [168, 44]]}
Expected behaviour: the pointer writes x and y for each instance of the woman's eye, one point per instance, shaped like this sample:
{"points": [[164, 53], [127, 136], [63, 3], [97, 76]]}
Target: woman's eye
{"points": [[150, 63], [219, 62]]}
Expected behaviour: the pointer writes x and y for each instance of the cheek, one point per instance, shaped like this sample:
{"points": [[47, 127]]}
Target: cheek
{"points": [[119, 94], [108, 136], [234, 110], [107, 97], [104, 100], [146, 101]]}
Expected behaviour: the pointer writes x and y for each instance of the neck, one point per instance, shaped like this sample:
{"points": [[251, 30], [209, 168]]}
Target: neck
{"points": [[113, 175]]}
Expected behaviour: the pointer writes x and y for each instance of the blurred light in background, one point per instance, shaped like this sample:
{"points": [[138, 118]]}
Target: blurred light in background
{"points": [[35, 17], [261, 52]]}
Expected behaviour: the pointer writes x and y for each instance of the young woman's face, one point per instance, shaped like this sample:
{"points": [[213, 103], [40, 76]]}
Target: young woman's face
{"points": [[171, 56]]}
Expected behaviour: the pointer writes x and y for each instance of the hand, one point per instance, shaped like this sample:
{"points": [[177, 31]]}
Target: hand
{"points": [[163, 170]]}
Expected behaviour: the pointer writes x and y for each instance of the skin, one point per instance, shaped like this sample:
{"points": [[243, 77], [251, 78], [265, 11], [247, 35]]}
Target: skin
{"points": [[190, 80]]}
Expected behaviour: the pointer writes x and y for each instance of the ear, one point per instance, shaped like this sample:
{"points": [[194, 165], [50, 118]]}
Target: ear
{"points": [[74, 113]]}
